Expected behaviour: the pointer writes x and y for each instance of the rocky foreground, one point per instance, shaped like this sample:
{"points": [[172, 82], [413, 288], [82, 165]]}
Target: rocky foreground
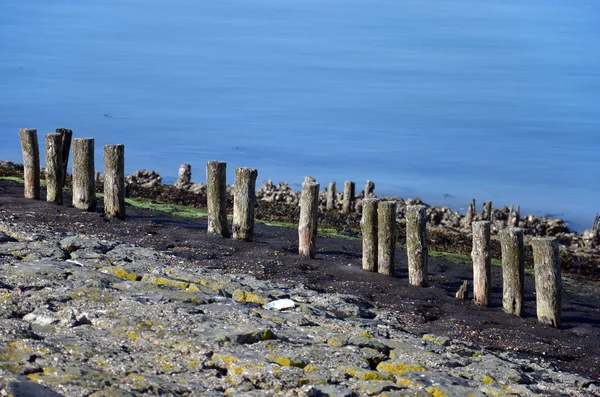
{"points": [[86, 316]]}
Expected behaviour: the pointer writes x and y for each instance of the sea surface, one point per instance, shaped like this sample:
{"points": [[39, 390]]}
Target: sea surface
{"points": [[446, 100]]}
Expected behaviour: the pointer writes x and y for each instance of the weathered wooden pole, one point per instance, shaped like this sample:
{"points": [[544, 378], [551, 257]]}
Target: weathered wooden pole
{"points": [[548, 280], [369, 189], [513, 270], [482, 262], [514, 217], [65, 141], [185, 174], [348, 197], [114, 181], [331, 196], [487, 211], [243, 203], [470, 214], [84, 184], [386, 237], [368, 227], [31, 162], [54, 169], [216, 197], [416, 245], [307, 227]]}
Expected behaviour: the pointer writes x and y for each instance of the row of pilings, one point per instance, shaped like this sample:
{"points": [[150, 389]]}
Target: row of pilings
{"points": [[378, 223]]}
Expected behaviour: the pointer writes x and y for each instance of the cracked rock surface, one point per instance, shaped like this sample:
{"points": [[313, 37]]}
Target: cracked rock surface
{"points": [[86, 316]]}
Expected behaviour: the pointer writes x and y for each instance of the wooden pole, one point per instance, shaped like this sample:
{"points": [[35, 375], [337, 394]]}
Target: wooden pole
{"points": [[54, 169], [548, 280], [514, 217], [482, 262], [487, 211], [65, 141], [348, 197], [331, 196], [513, 270], [470, 214], [368, 226], [386, 237], [369, 189], [216, 196], [114, 181], [31, 162], [84, 184], [243, 203], [416, 245], [307, 227], [185, 174]]}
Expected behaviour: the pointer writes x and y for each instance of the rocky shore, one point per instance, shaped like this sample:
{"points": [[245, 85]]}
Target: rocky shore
{"points": [[83, 315], [152, 305]]}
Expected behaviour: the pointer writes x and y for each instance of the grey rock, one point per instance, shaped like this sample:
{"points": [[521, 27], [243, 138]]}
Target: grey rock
{"points": [[26, 388]]}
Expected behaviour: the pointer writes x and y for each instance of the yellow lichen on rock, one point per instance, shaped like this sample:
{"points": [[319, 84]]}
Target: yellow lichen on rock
{"points": [[488, 380], [364, 374], [286, 361], [4, 296], [122, 273], [226, 358], [436, 392], [405, 382], [171, 283], [398, 368], [249, 297]]}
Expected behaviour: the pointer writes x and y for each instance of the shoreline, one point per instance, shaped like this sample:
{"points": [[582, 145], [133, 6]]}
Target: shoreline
{"points": [[449, 231], [577, 224]]}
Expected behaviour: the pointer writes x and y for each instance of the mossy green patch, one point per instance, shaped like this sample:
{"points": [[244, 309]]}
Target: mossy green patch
{"points": [[174, 209], [20, 180], [322, 231]]}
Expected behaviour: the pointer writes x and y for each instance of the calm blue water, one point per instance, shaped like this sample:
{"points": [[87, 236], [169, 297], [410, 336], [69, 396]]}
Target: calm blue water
{"points": [[489, 99]]}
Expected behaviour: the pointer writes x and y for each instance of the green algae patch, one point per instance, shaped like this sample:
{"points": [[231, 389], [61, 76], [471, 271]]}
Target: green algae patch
{"points": [[365, 374], [173, 209], [249, 297], [20, 180], [398, 368], [321, 232]]}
